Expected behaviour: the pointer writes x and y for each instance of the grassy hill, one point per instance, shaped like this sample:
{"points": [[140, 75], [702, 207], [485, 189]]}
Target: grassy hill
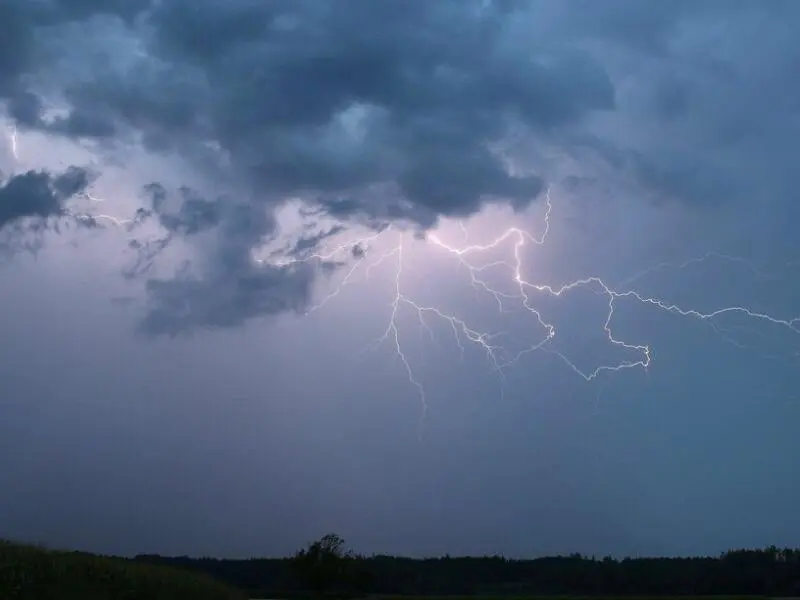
{"points": [[33, 573]]}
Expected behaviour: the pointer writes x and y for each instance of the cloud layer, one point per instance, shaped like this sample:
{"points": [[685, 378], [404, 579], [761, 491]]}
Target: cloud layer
{"points": [[39, 194], [400, 110]]}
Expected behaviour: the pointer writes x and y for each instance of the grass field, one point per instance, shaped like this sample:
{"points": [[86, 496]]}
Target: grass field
{"points": [[34, 573]]}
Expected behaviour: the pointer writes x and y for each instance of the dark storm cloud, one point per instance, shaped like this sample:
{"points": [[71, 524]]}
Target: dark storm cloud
{"points": [[225, 298], [195, 214], [375, 113], [389, 104], [39, 194], [21, 19], [309, 99], [308, 243], [385, 111], [15, 43], [232, 288], [25, 108], [713, 93]]}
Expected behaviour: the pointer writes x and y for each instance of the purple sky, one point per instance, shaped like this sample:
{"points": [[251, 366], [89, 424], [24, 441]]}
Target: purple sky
{"points": [[240, 308]]}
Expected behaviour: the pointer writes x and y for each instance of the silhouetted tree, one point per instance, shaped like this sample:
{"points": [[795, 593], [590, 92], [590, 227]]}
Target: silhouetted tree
{"points": [[323, 564]]}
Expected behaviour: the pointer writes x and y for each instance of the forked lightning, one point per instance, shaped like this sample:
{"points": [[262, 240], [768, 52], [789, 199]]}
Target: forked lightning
{"points": [[499, 358]]}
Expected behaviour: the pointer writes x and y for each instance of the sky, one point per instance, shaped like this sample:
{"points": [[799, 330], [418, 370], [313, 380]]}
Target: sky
{"points": [[464, 277]]}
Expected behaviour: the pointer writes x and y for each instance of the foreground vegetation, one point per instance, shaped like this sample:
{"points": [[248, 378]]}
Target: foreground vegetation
{"points": [[326, 567], [31, 573]]}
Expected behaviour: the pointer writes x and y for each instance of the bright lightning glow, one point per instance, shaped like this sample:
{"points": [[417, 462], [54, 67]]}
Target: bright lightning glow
{"points": [[94, 217], [13, 138], [84, 217], [523, 296], [89, 196]]}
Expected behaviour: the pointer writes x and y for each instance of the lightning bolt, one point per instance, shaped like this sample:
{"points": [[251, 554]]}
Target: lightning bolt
{"points": [[521, 238], [94, 217], [523, 296], [102, 217], [12, 136], [89, 196], [360, 254], [84, 217]]}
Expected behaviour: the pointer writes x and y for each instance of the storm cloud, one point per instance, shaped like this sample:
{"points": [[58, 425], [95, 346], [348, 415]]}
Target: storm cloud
{"points": [[230, 145], [39, 194], [411, 111]]}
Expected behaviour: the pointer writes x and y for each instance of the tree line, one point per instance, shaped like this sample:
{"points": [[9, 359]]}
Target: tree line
{"points": [[327, 568]]}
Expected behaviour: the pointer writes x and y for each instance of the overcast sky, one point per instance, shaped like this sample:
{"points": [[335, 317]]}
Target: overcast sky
{"points": [[453, 277]]}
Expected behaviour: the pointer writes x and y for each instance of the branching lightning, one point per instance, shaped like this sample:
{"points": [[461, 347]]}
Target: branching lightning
{"points": [[94, 217], [522, 296], [360, 254], [519, 293], [81, 217]]}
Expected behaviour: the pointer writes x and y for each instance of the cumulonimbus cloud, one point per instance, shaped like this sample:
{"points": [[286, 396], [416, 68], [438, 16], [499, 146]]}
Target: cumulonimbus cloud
{"points": [[391, 110]]}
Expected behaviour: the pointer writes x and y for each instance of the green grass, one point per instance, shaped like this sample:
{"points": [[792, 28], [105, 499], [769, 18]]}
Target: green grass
{"points": [[34, 573]]}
